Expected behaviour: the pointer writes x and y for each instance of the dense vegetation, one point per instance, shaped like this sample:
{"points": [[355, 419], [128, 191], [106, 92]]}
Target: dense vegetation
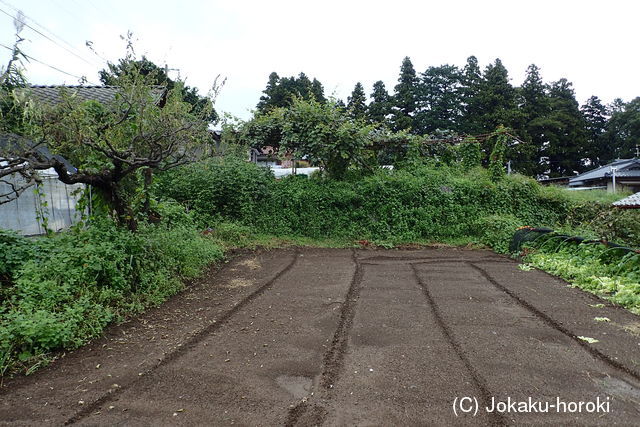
{"points": [[58, 292], [610, 272], [423, 202], [560, 136]]}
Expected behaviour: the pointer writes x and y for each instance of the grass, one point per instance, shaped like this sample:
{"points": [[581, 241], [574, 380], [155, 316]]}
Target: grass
{"points": [[585, 196]]}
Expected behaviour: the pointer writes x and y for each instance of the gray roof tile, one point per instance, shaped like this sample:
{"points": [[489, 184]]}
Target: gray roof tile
{"points": [[52, 94], [632, 201], [104, 94]]}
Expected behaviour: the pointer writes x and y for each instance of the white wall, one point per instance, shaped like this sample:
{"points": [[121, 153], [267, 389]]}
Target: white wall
{"points": [[20, 215]]}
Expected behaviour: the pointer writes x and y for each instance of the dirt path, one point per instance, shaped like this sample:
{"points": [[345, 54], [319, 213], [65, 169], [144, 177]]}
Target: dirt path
{"points": [[342, 337]]}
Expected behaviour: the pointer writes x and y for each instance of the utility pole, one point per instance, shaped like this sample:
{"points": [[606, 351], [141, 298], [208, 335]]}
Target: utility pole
{"points": [[613, 172]]}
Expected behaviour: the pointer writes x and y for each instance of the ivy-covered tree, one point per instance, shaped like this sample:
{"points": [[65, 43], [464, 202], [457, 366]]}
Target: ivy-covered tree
{"points": [[357, 102], [379, 109], [439, 100], [405, 99], [325, 135]]}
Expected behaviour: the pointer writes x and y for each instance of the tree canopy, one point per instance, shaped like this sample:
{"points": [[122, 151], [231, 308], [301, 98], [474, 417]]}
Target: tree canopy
{"points": [[156, 75], [281, 91]]}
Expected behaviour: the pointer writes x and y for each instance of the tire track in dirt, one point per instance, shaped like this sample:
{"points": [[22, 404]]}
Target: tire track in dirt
{"points": [[478, 381], [190, 344], [548, 320], [333, 359], [418, 261]]}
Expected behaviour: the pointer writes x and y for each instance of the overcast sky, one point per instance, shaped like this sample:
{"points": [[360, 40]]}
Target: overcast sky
{"points": [[592, 43]]}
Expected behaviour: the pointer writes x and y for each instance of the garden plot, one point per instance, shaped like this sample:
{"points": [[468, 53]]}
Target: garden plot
{"points": [[344, 337]]}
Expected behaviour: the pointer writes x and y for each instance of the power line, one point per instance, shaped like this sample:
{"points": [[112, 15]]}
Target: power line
{"points": [[43, 27], [45, 36], [47, 65]]}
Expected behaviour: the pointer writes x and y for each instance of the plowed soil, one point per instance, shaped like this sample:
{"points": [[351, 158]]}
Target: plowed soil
{"points": [[351, 337]]}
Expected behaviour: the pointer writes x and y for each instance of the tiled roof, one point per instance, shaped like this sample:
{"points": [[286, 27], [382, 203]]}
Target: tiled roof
{"points": [[624, 168], [52, 94], [632, 201]]}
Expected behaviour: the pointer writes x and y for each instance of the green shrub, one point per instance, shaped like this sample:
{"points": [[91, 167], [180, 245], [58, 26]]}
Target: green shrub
{"points": [[497, 231], [217, 189], [92, 277], [15, 250], [417, 202]]}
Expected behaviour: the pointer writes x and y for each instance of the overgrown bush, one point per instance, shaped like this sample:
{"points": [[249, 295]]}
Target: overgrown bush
{"points": [[496, 231], [217, 189], [90, 278], [413, 203]]}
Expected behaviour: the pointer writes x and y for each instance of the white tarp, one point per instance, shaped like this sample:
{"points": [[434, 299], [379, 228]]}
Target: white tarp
{"points": [[21, 214]]}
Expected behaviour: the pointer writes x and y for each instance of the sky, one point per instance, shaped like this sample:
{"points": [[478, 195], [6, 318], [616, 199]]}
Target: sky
{"points": [[594, 44]]}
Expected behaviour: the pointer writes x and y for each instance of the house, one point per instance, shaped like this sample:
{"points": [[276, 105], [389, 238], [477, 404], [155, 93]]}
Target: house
{"points": [[624, 174]]}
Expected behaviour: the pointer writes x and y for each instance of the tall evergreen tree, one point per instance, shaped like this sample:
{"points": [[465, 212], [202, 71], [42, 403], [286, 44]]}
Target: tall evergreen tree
{"points": [[623, 129], [439, 99], [280, 91], [357, 102], [535, 106], [564, 129], [595, 119], [471, 108], [497, 98], [272, 95], [405, 99], [317, 90], [379, 108]]}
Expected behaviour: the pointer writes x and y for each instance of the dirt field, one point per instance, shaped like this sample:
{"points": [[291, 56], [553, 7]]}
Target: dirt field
{"points": [[342, 337]]}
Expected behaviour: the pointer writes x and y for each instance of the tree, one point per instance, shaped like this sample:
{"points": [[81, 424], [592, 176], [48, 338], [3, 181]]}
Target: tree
{"points": [[405, 97], [379, 109], [281, 91], [535, 107], [357, 102], [325, 135], [623, 129], [158, 76], [564, 128], [595, 118], [471, 108], [439, 99], [142, 129], [317, 90], [497, 98], [264, 130]]}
